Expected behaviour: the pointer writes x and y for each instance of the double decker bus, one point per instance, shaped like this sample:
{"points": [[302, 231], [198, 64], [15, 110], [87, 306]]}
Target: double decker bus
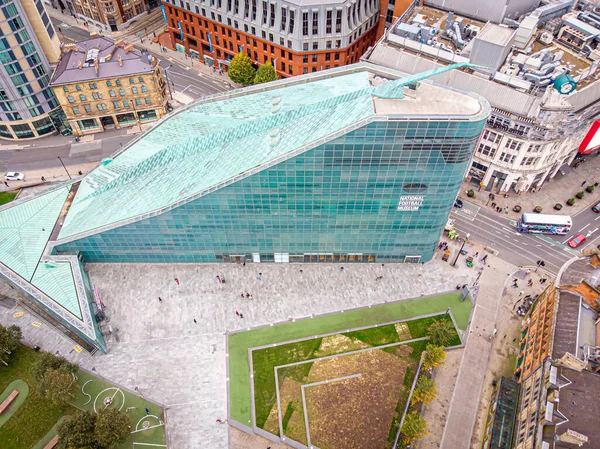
{"points": [[544, 224]]}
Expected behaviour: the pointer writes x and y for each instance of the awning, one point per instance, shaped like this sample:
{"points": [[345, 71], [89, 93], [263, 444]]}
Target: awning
{"points": [[223, 61]]}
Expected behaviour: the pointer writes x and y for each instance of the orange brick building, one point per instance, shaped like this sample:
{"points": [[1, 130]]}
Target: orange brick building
{"points": [[296, 38]]}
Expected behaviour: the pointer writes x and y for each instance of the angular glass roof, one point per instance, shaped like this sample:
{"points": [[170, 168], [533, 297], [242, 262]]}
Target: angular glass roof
{"points": [[56, 280], [210, 143]]}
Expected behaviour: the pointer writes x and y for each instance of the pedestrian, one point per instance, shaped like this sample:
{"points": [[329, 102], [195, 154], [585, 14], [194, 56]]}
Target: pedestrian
{"points": [[244, 264], [6, 184], [596, 184], [543, 281], [241, 315], [301, 271], [250, 297], [493, 205], [504, 337], [219, 279], [259, 276], [159, 299], [219, 421], [237, 313], [80, 173], [195, 322], [341, 269], [147, 411], [529, 271], [483, 259], [477, 254], [583, 183], [177, 281], [154, 32], [247, 295], [242, 295], [43, 179], [521, 293], [530, 282]]}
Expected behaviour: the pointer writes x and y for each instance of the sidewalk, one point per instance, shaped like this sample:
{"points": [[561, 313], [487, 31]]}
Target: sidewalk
{"points": [[558, 190]]}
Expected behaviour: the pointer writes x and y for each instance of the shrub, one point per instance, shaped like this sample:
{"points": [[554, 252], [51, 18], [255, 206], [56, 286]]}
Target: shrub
{"points": [[425, 391], [580, 194], [590, 188], [241, 70], [571, 201], [434, 356], [538, 209], [441, 332], [414, 428], [471, 193]]}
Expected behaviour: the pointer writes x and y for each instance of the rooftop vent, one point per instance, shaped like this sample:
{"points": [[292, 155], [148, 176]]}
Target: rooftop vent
{"points": [[92, 55], [572, 437]]}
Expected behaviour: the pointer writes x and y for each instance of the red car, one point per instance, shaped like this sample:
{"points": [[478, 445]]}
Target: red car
{"points": [[577, 240]]}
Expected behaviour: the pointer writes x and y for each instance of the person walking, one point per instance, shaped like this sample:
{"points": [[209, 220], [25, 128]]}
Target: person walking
{"points": [[6, 184], [583, 183], [159, 299], [147, 411], [177, 281], [195, 322], [259, 276], [237, 313]]}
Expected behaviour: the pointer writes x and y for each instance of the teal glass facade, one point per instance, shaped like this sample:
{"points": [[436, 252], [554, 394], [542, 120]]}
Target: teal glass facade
{"points": [[338, 202]]}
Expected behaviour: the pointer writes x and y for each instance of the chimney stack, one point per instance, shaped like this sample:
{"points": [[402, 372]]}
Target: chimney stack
{"points": [[120, 61], [96, 66], [79, 64]]}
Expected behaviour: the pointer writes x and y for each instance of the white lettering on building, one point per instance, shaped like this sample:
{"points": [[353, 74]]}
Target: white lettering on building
{"points": [[410, 203]]}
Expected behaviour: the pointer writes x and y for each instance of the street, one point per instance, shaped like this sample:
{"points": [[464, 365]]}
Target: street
{"points": [[586, 223], [497, 232]]}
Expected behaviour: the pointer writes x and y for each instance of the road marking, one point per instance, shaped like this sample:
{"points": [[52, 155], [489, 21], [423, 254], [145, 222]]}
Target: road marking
{"points": [[569, 238], [591, 232], [584, 227], [598, 218], [524, 244]]}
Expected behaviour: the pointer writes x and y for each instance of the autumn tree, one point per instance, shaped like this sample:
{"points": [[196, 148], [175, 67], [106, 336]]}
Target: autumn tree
{"points": [[9, 341], [425, 391], [414, 427], [265, 74], [441, 332], [54, 376], [433, 356], [87, 430], [241, 70]]}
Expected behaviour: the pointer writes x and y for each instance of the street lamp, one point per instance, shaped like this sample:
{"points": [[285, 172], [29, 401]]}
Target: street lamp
{"points": [[464, 240], [168, 85], [64, 167], [540, 263]]}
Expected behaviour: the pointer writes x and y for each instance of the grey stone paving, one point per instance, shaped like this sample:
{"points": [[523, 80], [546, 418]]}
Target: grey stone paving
{"points": [[181, 364]]}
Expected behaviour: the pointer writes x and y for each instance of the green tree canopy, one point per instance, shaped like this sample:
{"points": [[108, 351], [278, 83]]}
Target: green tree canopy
{"points": [[265, 74], [77, 432], [9, 341], [434, 356], [441, 332], [54, 376], [425, 391], [414, 427], [241, 70], [112, 427]]}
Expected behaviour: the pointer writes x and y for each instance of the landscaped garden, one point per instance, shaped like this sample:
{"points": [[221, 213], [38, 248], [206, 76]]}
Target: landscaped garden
{"points": [[57, 397], [335, 387], [7, 197]]}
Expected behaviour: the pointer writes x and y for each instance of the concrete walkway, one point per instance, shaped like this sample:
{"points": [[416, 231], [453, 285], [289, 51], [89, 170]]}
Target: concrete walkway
{"points": [[558, 190], [181, 363], [465, 401]]}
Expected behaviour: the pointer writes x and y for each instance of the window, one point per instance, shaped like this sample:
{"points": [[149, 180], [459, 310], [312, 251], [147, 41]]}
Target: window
{"points": [[389, 17], [101, 107], [122, 92], [507, 158], [283, 18], [112, 93], [314, 58], [327, 56], [125, 104], [93, 86], [147, 100], [264, 12], [304, 70], [328, 22], [315, 23], [338, 44], [486, 150], [70, 98], [291, 25], [116, 104], [338, 21], [253, 13], [78, 87], [144, 89], [75, 111], [305, 59], [65, 89], [134, 90], [535, 148], [108, 84], [118, 82], [82, 97], [87, 109], [304, 24], [272, 23], [336, 56]]}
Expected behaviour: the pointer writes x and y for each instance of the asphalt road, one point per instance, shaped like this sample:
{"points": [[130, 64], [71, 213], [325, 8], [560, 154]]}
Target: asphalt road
{"points": [[586, 222], [499, 233]]}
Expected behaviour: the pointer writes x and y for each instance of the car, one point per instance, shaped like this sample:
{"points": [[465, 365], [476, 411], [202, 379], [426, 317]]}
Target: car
{"points": [[64, 26], [577, 240], [14, 176], [596, 208], [458, 203]]}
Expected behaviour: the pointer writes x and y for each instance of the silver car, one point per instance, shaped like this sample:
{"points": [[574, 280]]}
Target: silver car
{"points": [[14, 176]]}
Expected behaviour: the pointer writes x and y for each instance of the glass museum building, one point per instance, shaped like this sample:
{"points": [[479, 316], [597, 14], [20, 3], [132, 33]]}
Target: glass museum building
{"points": [[351, 165]]}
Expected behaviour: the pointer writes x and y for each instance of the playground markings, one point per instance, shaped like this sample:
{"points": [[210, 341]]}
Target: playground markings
{"points": [[18, 314], [86, 394], [117, 390], [78, 348], [149, 444], [146, 424], [36, 324]]}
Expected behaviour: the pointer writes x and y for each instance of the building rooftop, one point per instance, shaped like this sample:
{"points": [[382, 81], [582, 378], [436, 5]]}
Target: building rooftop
{"points": [[224, 138], [496, 34], [580, 408], [567, 325], [114, 59]]}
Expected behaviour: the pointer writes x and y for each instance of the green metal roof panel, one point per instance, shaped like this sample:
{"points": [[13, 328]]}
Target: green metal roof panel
{"points": [[213, 142], [55, 279], [25, 229]]}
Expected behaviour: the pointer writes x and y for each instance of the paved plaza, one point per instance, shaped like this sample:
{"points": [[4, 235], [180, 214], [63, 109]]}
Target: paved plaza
{"points": [[181, 363]]}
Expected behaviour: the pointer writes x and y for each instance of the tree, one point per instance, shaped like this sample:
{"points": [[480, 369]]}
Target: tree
{"points": [[54, 376], [441, 332], [56, 385], [241, 70], [9, 341], [77, 432], [111, 428], [265, 74], [434, 356], [414, 427], [425, 391]]}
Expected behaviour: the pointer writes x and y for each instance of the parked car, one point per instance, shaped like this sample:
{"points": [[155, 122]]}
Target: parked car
{"points": [[596, 208], [458, 203], [14, 176], [577, 240]]}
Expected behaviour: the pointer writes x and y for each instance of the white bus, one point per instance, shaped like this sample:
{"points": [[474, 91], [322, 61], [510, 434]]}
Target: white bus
{"points": [[544, 224]]}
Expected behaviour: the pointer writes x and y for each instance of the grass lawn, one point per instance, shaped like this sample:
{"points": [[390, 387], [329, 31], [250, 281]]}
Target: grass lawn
{"points": [[36, 415], [239, 376], [7, 197], [34, 421]]}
